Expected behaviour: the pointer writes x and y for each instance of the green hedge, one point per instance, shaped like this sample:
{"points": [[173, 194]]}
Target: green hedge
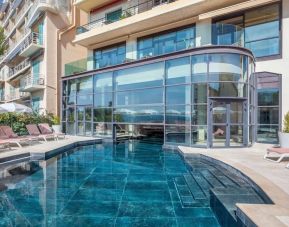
{"points": [[18, 121]]}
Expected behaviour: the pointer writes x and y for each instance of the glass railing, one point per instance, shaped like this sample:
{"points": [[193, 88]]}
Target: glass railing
{"points": [[133, 8], [222, 35]]}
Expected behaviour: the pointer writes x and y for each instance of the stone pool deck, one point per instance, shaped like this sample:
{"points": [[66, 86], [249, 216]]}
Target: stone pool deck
{"points": [[43, 150], [272, 177]]}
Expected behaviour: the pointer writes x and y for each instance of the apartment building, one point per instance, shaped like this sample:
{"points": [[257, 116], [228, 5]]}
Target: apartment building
{"points": [[195, 72], [36, 40]]}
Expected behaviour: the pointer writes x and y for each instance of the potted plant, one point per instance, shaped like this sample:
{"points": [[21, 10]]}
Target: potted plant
{"points": [[284, 134], [56, 124]]}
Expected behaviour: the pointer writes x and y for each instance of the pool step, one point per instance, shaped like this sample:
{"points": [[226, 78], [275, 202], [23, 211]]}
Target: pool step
{"points": [[183, 191]]}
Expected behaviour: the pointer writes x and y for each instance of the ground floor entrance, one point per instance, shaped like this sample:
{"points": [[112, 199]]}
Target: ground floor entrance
{"points": [[228, 122]]}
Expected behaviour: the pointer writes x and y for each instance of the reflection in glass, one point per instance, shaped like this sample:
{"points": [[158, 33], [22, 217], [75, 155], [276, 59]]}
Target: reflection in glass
{"points": [[267, 133], [140, 97], [199, 135], [102, 115], [102, 129], [226, 67], [199, 93], [199, 68], [84, 100], [177, 134], [80, 128], [199, 114], [141, 114], [178, 94], [227, 90], [70, 114], [103, 99], [268, 97], [178, 71], [88, 131], [236, 112], [178, 114], [219, 112], [80, 113], [103, 82], [268, 115], [84, 85], [150, 75]]}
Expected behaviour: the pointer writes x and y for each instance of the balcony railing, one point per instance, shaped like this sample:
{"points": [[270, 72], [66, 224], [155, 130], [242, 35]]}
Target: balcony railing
{"points": [[15, 94], [24, 64], [31, 81], [33, 38], [222, 35], [132, 9]]}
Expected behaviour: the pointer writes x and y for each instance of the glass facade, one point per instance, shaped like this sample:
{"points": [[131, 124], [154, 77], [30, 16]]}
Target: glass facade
{"points": [[167, 42], [262, 30], [172, 95], [268, 90]]}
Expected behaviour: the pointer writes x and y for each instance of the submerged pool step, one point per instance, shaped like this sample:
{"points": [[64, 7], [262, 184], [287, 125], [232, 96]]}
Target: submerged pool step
{"points": [[184, 193]]}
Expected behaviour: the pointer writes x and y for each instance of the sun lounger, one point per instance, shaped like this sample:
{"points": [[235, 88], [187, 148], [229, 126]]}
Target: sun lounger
{"points": [[281, 151], [34, 131], [45, 129], [7, 134], [4, 143]]}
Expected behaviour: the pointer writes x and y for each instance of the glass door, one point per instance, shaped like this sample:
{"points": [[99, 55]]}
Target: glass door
{"points": [[227, 123], [84, 120]]}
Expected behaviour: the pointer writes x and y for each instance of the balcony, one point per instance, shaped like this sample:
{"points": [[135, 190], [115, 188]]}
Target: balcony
{"points": [[87, 5], [17, 70], [32, 83], [40, 6], [32, 44], [221, 35], [16, 94], [140, 19]]}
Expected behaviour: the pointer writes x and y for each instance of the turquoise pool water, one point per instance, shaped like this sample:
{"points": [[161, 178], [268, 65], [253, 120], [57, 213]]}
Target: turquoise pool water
{"points": [[133, 183]]}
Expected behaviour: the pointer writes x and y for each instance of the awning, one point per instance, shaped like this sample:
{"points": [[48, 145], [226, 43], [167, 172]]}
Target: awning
{"points": [[16, 3], [3, 7]]}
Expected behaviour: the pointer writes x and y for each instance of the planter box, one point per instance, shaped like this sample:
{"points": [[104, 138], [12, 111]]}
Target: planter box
{"points": [[283, 139]]}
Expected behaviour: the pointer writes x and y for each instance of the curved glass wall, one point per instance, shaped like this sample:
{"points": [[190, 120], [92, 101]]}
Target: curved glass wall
{"points": [[197, 100]]}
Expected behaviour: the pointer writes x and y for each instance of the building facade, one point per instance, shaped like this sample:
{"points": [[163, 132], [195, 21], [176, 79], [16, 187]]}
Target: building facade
{"points": [[30, 68], [198, 73]]}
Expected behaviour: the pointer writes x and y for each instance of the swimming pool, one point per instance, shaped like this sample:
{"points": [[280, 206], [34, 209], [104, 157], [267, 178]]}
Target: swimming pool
{"points": [[132, 183]]}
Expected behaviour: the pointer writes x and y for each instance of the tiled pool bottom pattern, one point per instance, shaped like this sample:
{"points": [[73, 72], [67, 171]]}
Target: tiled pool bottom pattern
{"points": [[129, 184]]}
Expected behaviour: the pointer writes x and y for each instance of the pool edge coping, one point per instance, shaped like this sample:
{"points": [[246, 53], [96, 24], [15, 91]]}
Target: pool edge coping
{"points": [[254, 214]]}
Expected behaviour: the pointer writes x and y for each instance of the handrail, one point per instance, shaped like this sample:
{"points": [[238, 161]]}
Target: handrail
{"points": [[16, 93], [30, 80], [130, 11], [34, 38], [19, 67]]}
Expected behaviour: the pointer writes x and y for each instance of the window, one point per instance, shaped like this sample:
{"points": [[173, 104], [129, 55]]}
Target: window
{"points": [[262, 31], [166, 43], [113, 16], [268, 88], [109, 56], [261, 28]]}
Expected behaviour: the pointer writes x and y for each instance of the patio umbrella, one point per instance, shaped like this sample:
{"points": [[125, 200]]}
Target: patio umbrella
{"points": [[13, 107]]}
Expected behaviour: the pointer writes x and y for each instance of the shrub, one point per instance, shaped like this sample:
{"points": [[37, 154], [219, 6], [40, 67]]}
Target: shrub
{"points": [[286, 123], [18, 121]]}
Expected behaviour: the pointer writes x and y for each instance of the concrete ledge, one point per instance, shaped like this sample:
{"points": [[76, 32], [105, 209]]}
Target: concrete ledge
{"points": [[45, 150], [250, 162]]}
